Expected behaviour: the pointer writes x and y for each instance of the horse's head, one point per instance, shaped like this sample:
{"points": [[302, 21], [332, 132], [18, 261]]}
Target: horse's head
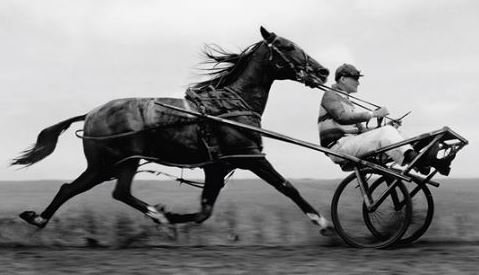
{"points": [[291, 62]]}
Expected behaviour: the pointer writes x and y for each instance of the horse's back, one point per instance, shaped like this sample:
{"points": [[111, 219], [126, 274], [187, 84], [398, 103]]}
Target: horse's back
{"points": [[132, 114], [139, 127]]}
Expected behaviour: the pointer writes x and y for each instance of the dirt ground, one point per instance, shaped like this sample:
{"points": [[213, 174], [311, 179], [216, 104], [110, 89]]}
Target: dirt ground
{"points": [[254, 230], [423, 258]]}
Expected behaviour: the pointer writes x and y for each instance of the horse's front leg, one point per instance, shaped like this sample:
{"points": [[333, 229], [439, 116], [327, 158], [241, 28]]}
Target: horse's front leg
{"points": [[214, 181], [264, 169]]}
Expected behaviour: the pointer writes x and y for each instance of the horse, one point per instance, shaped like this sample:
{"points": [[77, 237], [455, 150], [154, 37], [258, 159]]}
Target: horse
{"points": [[120, 133]]}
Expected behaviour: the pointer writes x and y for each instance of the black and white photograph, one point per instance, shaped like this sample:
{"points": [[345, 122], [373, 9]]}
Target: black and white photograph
{"points": [[239, 137]]}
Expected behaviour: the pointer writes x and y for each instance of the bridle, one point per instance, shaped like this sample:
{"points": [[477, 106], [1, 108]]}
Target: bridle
{"points": [[301, 72]]}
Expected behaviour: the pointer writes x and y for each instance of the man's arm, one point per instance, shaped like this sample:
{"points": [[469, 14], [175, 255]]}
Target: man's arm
{"points": [[334, 104]]}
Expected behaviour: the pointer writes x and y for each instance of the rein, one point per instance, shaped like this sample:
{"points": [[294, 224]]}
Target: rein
{"points": [[301, 73], [325, 88]]}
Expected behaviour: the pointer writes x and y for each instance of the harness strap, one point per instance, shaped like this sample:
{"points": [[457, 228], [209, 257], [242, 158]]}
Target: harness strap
{"points": [[272, 48], [300, 73], [240, 113], [192, 165], [79, 134], [233, 91], [198, 101]]}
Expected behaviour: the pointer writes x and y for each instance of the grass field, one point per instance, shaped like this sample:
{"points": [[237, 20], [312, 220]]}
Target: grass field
{"points": [[248, 212]]}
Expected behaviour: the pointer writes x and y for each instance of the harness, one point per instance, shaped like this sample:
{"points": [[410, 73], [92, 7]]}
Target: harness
{"points": [[206, 99], [222, 103], [301, 71]]}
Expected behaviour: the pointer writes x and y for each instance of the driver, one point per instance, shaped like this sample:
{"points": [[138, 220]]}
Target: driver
{"points": [[342, 127]]}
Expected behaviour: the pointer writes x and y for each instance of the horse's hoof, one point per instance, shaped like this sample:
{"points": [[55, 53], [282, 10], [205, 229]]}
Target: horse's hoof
{"points": [[327, 228], [32, 218], [327, 231], [160, 207], [157, 214]]}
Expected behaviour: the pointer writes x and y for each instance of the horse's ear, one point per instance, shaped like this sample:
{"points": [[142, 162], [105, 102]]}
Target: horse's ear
{"points": [[268, 36]]}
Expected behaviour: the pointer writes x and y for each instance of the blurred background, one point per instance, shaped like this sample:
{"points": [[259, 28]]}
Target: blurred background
{"points": [[59, 59], [63, 58]]}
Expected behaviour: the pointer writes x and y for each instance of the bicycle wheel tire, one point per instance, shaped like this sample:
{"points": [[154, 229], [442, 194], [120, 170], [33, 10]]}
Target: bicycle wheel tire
{"points": [[354, 222]]}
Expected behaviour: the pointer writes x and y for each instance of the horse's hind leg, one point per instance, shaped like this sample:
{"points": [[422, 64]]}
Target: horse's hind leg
{"points": [[89, 178], [265, 170], [122, 193]]}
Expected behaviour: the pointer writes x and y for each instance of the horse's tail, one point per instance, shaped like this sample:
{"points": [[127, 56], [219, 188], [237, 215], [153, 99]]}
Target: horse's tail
{"points": [[46, 143]]}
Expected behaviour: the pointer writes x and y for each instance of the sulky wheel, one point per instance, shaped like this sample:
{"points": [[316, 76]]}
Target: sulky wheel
{"points": [[422, 205], [380, 227]]}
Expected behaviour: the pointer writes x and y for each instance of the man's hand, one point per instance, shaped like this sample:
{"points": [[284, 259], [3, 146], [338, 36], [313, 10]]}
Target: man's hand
{"points": [[380, 112], [395, 123]]}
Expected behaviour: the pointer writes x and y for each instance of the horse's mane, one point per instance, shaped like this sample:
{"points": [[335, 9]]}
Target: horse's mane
{"points": [[226, 65]]}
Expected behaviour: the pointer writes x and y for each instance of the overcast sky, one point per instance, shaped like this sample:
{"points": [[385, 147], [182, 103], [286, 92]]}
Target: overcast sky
{"points": [[60, 59]]}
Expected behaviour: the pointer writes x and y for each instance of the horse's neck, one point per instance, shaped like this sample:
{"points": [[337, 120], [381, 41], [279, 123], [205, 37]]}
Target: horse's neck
{"points": [[253, 85]]}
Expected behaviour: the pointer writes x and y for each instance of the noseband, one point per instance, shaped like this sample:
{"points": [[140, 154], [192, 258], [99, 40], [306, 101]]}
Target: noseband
{"points": [[300, 71]]}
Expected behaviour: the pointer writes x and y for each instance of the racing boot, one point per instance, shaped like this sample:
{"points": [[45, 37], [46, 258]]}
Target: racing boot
{"points": [[443, 165], [421, 166]]}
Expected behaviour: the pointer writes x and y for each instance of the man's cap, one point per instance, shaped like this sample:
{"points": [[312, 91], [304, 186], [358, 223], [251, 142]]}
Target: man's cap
{"points": [[347, 70]]}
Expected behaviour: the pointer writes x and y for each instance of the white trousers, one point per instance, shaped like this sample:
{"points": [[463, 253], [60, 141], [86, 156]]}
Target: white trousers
{"points": [[358, 145]]}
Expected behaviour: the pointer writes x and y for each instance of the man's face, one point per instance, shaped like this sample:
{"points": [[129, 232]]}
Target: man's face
{"points": [[350, 84]]}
